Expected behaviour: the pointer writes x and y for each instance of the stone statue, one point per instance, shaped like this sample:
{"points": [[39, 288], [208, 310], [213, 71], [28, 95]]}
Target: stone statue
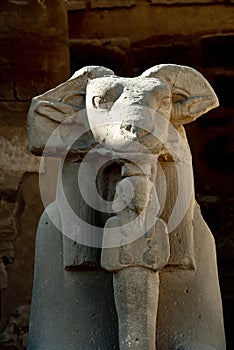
{"points": [[124, 259]]}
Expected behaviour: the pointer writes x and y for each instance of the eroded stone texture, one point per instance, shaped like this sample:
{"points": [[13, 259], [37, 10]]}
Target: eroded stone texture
{"points": [[19, 220], [15, 158], [131, 132], [15, 334], [7, 235]]}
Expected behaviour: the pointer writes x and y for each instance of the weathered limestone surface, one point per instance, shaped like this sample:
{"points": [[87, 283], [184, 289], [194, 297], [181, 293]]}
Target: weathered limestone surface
{"points": [[15, 334], [129, 148]]}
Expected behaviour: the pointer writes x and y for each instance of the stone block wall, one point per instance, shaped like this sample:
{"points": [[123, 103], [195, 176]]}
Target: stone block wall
{"points": [[127, 36]]}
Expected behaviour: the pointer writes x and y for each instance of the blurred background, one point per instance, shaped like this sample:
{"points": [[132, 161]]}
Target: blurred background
{"points": [[42, 43]]}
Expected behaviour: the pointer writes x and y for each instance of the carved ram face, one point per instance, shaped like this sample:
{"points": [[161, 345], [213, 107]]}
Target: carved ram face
{"points": [[121, 114], [125, 113]]}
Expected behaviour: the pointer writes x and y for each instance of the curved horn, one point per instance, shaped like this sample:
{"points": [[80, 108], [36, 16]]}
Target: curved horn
{"points": [[192, 95], [54, 107]]}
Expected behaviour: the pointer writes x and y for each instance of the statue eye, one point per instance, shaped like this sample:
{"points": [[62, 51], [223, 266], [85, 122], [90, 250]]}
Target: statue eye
{"points": [[100, 102], [108, 98], [165, 103]]}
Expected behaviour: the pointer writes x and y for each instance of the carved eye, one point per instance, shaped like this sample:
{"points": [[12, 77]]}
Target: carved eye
{"points": [[108, 98], [165, 103], [100, 102]]}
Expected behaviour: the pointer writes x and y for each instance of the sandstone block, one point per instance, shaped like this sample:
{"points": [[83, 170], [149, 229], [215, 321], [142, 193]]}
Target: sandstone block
{"points": [[75, 4], [15, 157], [112, 3], [28, 51]]}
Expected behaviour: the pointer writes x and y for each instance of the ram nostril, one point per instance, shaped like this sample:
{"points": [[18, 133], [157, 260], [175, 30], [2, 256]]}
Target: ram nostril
{"points": [[128, 127]]}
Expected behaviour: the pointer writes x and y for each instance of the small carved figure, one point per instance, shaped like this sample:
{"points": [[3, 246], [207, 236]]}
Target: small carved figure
{"points": [[132, 262]]}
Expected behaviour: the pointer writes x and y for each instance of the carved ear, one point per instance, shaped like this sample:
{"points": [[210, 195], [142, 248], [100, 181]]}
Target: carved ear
{"points": [[57, 106], [192, 95]]}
